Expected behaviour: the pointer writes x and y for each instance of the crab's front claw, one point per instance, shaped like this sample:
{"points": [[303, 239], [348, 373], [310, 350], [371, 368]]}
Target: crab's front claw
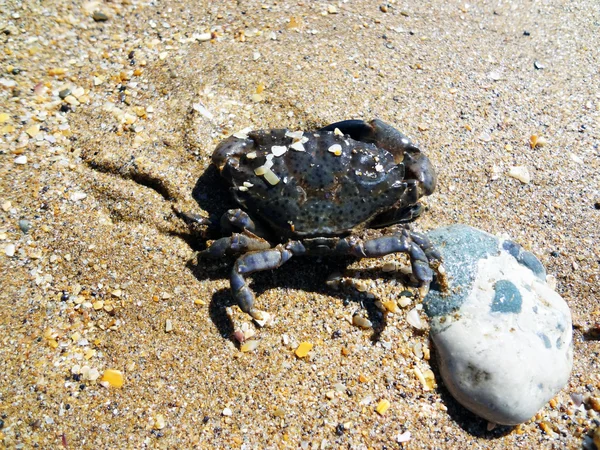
{"points": [[418, 167], [228, 150], [383, 135], [376, 132]]}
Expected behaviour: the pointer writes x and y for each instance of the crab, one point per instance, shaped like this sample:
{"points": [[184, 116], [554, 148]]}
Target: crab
{"points": [[313, 193]]}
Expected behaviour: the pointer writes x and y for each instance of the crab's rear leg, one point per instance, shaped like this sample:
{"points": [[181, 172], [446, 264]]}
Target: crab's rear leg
{"points": [[258, 261], [235, 244], [239, 220], [420, 250]]}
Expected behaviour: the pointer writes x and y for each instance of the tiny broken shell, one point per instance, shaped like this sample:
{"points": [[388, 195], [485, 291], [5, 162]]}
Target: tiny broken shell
{"points": [[296, 135], [243, 134], [251, 155], [248, 184], [271, 177], [336, 149], [361, 322], [337, 132], [242, 188], [249, 346], [261, 170], [298, 146], [279, 150]]}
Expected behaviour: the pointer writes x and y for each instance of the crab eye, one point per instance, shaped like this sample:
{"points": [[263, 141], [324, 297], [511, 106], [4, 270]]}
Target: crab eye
{"points": [[229, 150]]}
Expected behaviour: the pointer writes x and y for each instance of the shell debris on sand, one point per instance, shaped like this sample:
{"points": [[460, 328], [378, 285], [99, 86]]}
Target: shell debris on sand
{"points": [[113, 377], [303, 349]]}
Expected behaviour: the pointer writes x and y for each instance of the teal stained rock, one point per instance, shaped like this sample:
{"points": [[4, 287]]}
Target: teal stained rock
{"points": [[503, 337]]}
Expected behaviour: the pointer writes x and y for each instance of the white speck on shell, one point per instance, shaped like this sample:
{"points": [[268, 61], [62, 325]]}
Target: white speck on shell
{"points": [[336, 149], [279, 150], [337, 132], [251, 155], [271, 177], [298, 146], [296, 135], [243, 134]]}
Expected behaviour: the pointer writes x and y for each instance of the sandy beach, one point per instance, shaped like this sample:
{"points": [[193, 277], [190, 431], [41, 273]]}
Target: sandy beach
{"points": [[109, 114]]}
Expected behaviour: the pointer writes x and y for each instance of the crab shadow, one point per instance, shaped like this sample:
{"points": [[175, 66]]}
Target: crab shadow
{"points": [[308, 274], [212, 194]]}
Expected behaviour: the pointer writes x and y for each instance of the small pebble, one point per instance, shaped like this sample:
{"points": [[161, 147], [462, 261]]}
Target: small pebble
{"points": [[404, 437], [64, 93], [21, 159], [168, 325], [202, 37], [227, 412], [25, 225], [494, 76], [520, 173], [537, 141], [361, 322], [9, 250], [382, 407], [159, 422], [414, 319], [99, 16], [113, 377], [303, 349], [249, 346], [76, 196]]}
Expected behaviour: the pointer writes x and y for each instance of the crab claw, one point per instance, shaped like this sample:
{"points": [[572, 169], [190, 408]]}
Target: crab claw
{"points": [[418, 167], [377, 132], [228, 151]]}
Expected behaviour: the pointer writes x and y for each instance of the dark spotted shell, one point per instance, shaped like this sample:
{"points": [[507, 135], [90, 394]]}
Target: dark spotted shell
{"points": [[333, 186]]}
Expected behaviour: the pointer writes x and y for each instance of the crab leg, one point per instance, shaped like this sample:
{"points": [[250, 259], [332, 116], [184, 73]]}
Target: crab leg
{"points": [[258, 261], [239, 220], [417, 246], [235, 244]]}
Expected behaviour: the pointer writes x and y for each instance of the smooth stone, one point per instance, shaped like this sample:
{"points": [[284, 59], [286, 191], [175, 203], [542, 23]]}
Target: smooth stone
{"points": [[99, 16], [25, 225], [503, 337]]}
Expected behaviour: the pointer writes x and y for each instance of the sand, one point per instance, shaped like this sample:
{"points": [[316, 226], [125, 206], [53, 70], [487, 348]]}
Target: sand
{"points": [[109, 114]]}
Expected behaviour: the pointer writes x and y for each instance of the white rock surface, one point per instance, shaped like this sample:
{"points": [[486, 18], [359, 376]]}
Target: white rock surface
{"points": [[503, 336]]}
